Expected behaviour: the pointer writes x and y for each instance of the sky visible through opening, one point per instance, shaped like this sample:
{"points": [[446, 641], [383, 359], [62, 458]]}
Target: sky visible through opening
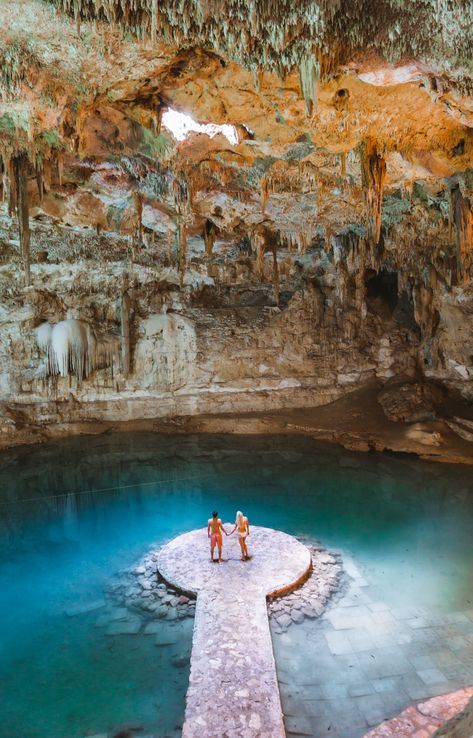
{"points": [[181, 125]]}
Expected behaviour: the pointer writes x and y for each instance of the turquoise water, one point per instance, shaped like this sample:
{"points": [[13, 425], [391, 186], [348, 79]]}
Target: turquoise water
{"points": [[74, 513]]}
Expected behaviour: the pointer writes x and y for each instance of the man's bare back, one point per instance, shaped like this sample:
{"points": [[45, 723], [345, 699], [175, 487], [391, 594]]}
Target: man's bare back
{"points": [[215, 525]]}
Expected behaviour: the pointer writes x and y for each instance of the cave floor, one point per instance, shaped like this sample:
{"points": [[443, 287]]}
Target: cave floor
{"points": [[365, 661]]}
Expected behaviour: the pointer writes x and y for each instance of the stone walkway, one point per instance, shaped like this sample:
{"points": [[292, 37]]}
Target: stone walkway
{"points": [[233, 688]]}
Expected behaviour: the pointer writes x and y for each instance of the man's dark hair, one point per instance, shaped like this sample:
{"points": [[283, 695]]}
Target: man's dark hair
{"points": [[214, 514]]}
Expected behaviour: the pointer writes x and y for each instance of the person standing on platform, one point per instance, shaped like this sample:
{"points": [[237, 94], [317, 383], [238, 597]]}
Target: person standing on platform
{"points": [[214, 532]]}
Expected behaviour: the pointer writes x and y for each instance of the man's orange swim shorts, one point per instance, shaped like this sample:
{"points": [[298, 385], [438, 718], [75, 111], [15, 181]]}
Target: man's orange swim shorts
{"points": [[216, 539]]}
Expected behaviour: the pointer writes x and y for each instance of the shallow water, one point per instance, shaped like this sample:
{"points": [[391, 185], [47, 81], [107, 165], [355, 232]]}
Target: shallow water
{"points": [[74, 513]]}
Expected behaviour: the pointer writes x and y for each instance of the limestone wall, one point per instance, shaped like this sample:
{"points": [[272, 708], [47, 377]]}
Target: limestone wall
{"points": [[210, 347]]}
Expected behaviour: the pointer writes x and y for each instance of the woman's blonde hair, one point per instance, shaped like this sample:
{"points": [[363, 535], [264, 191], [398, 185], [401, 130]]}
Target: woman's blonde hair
{"points": [[239, 519]]}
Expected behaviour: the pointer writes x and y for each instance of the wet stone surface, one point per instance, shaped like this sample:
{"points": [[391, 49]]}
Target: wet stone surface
{"points": [[233, 688]]}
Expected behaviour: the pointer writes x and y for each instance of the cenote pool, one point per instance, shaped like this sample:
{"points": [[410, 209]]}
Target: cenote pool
{"points": [[74, 513]]}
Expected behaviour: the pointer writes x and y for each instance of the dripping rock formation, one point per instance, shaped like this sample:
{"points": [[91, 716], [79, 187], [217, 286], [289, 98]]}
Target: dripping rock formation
{"points": [[226, 215]]}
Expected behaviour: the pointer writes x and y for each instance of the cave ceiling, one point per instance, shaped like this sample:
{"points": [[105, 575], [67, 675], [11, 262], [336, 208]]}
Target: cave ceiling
{"points": [[348, 115]]}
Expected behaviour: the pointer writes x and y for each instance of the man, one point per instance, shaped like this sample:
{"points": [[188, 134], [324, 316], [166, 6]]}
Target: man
{"points": [[214, 528]]}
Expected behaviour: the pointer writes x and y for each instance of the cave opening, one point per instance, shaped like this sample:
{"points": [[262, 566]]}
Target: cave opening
{"points": [[382, 289], [181, 125]]}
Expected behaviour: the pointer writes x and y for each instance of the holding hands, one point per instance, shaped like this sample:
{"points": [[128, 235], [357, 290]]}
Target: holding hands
{"points": [[215, 529]]}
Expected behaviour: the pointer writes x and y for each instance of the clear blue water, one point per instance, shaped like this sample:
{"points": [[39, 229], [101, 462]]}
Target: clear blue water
{"points": [[74, 513]]}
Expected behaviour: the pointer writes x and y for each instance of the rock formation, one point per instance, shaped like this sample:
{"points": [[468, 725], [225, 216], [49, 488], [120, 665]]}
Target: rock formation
{"points": [[313, 234], [460, 726]]}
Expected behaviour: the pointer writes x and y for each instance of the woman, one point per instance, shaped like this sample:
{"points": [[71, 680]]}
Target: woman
{"points": [[243, 527]]}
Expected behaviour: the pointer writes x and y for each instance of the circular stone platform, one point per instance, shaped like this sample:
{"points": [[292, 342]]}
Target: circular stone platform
{"points": [[279, 562], [233, 688]]}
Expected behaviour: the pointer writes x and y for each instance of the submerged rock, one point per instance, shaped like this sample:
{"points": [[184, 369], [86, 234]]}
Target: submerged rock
{"points": [[83, 608], [165, 638], [132, 626]]}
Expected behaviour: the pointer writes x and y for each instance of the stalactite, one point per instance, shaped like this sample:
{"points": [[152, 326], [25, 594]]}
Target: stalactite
{"points": [[360, 281], [158, 119], [461, 215], [60, 167], [343, 163], [21, 182], [6, 184], [43, 339], [373, 173], [47, 174], [181, 234], [259, 247], [209, 235], [138, 201], [264, 194], [309, 75], [12, 188], [77, 19], [125, 331], [73, 347], [275, 274], [343, 278], [39, 178], [423, 298], [154, 21]]}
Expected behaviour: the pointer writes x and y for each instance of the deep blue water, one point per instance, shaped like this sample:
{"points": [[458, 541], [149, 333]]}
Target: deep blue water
{"points": [[74, 513]]}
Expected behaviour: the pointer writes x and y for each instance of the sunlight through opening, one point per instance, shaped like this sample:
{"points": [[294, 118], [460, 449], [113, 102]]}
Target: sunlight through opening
{"points": [[180, 125]]}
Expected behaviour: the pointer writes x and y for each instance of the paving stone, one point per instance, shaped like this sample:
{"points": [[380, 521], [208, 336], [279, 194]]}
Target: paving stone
{"points": [[124, 627], [361, 690], [456, 617], [419, 623], [118, 613], [431, 676], [299, 725], [84, 607], [387, 684], [372, 708], [422, 661], [343, 618], [338, 643], [153, 628], [378, 607], [333, 690], [384, 662]]}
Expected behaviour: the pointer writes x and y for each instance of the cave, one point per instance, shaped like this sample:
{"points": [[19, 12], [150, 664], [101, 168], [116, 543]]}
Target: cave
{"points": [[236, 369], [382, 289]]}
